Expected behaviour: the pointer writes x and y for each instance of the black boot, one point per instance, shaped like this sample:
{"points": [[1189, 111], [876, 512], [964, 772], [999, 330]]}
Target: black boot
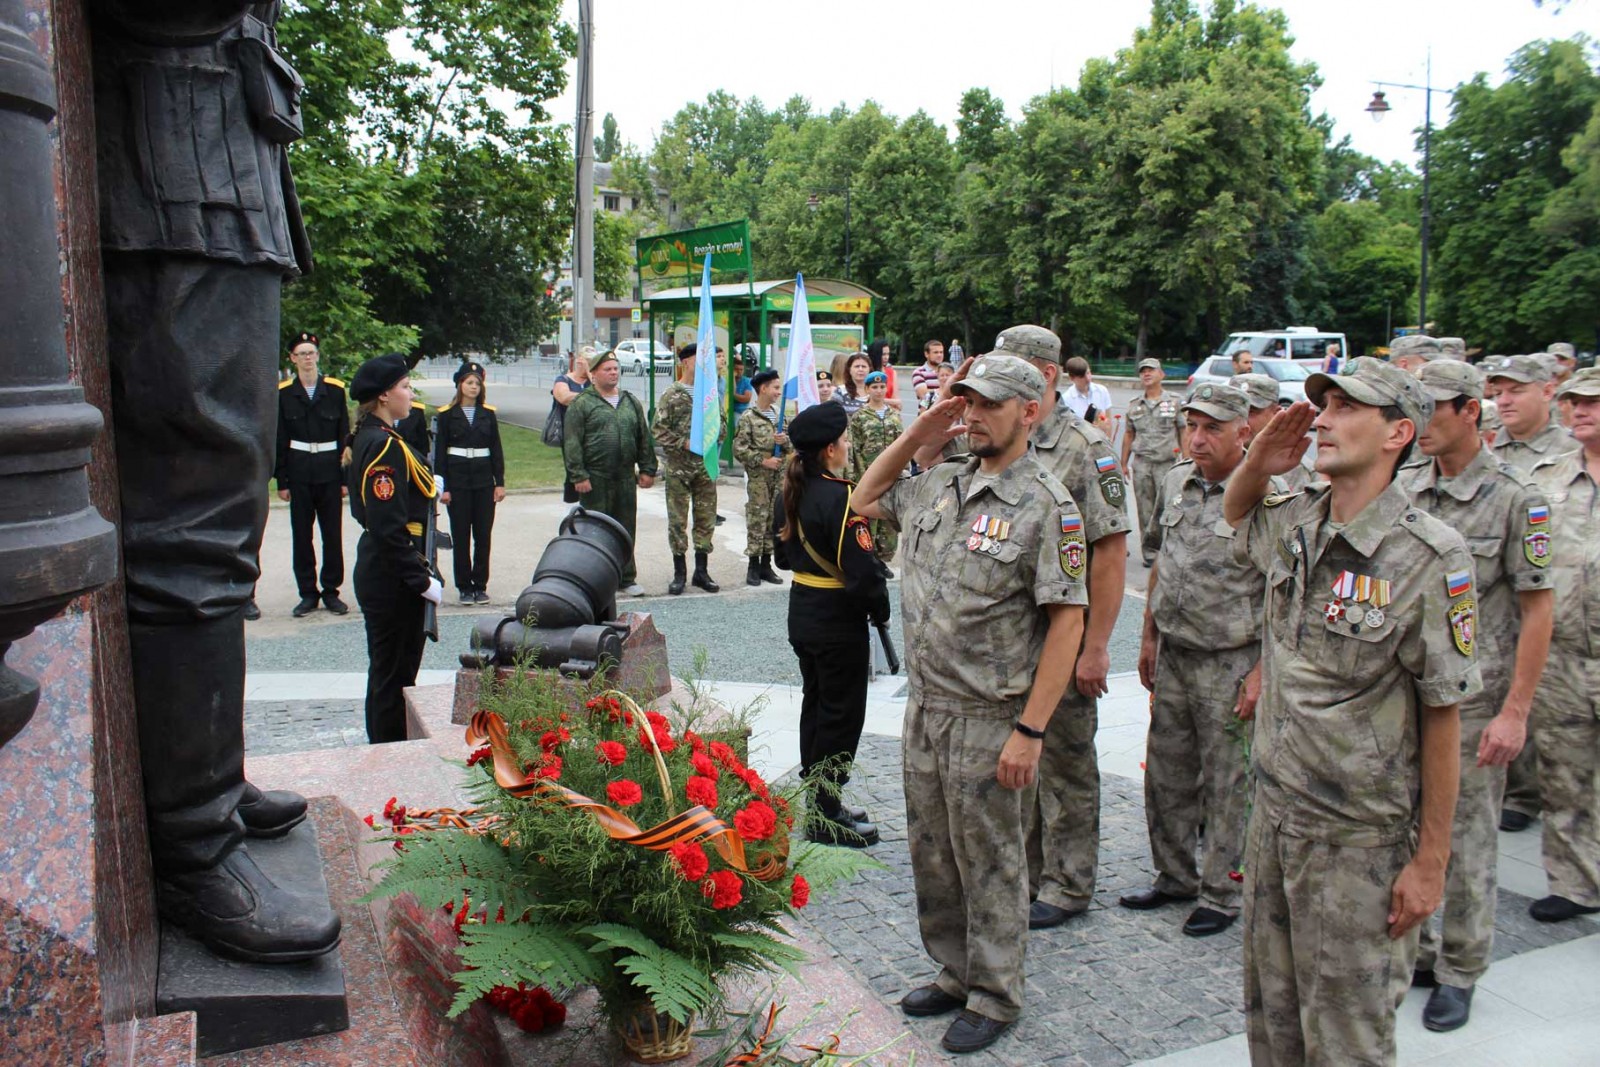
{"points": [[236, 910], [680, 574], [702, 577], [272, 813], [767, 573], [752, 575]]}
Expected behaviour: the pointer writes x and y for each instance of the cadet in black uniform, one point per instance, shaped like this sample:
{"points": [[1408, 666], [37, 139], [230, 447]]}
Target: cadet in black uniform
{"points": [[313, 424], [838, 586], [391, 496], [469, 459]]}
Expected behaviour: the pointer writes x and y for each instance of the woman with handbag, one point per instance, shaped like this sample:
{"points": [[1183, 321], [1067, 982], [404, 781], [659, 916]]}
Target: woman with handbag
{"points": [[468, 457]]}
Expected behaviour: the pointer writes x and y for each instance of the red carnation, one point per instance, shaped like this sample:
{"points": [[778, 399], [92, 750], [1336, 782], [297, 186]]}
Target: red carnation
{"points": [[724, 888], [529, 1017], [624, 794], [756, 822], [370, 821], [388, 808], [550, 768], [701, 790], [703, 766], [612, 752], [753, 782], [800, 892], [726, 756], [696, 742], [479, 755], [551, 739], [1237, 876], [690, 859]]}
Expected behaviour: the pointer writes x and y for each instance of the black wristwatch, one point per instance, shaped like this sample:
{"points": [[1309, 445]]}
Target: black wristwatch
{"points": [[1027, 731]]}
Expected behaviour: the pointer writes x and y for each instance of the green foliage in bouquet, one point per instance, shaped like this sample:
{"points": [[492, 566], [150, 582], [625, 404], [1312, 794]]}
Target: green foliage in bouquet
{"points": [[612, 846]]}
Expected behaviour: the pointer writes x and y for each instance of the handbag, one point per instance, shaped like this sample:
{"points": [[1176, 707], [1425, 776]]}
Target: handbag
{"points": [[554, 425]]}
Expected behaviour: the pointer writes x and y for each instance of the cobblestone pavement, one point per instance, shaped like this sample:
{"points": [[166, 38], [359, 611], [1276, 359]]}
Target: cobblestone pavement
{"points": [[272, 727], [1112, 988]]}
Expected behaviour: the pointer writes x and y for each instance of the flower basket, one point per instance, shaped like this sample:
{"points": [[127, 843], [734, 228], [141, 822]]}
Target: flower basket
{"points": [[650, 1037]]}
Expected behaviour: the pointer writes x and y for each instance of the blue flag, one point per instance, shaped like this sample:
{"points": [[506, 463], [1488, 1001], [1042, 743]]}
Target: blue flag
{"points": [[705, 430], [800, 378]]}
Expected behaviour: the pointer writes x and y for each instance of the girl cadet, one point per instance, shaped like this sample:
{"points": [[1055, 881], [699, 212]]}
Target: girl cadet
{"points": [[471, 464], [391, 496]]}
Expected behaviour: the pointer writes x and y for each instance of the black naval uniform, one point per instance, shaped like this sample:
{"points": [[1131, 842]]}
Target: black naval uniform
{"points": [[829, 607], [391, 496], [312, 431], [469, 457], [413, 430]]}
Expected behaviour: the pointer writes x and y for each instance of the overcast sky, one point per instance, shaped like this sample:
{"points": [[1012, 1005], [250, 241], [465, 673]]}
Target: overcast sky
{"points": [[651, 59]]}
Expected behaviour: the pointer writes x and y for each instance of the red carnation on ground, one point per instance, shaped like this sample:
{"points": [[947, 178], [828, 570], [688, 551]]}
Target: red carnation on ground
{"points": [[701, 790], [388, 807], [612, 752], [1237, 876], [703, 766], [724, 888], [479, 755], [756, 821], [371, 822], [625, 793], [690, 860], [800, 892]]}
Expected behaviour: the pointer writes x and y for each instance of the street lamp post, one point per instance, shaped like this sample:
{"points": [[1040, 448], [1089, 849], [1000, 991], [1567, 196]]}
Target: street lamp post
{"points": [[1378, 108], [813, 201]]}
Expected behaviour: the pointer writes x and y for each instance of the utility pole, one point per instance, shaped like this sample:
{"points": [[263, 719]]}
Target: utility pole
{"points": [[583, 202]]}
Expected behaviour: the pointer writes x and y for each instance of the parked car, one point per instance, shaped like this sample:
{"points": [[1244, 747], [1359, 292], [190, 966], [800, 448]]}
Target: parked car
{"points": [[1300, 343], [634, 355], [1291, 375]]}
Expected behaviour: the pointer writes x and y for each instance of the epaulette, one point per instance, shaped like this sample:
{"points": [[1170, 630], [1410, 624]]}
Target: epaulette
{"points": [[286, 382], [1054, 487], [333, 381], [446, 406], [487, 407], [419, 404]]}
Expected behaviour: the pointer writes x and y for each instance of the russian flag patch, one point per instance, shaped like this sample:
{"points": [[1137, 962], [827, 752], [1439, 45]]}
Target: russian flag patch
{"points": [[1538, 515], [1105, 464], [1458, 583], [1071, 524]]}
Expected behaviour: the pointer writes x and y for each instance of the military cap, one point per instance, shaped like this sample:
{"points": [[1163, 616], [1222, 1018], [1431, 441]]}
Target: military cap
{"points": [[1562, 350], [1414, 344], [1149, 364], [875, 376], [818, 426], [1029, 342], [596, 362], [1222, 402], [1584, 383], [1446, 378], [1523, 369], [1452, 348], [1378, 384], [1001, 377], [1490, 419], [688, 351], [1260, 389], [411, 360], [762, 377], [466, 368], [303, 338], [377, 376], [824, 376]]}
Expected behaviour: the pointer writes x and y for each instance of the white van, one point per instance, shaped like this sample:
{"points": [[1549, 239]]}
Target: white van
{"points": [[1299, 343]]}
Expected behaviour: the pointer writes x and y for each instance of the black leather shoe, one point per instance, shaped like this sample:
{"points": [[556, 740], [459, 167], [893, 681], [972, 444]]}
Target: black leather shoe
{"points": [[1042, 916], [252, 611], [1448, 1008], [972, 1032], [1203, 922], [1514, 822], [930, 1000], [237, 911], [1149, 898], [701, 579], [270, 813], [307, 605], [857, 814], [845, 832], [332, 602], [1422, 978], [1555, 909]]}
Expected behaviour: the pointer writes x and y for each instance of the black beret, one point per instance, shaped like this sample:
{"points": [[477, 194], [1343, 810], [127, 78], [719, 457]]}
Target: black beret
{"points": [[688, 350], [818, 426], [411, 360], [467, 368], [762, 377], [377, 376], [303, 338]]}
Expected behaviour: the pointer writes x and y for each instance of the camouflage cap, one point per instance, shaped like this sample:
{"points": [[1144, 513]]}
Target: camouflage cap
{"points": [[1560, 349], [1446, 378], [1452, 348], [1522, 369], [1584, 383], [1490, 420], [1149, 364], [1029, 342], [1001, 377], [596, 362], [1260, 389], [1419, 345], [1222, 402], [1552, 364], [1378, 384]]}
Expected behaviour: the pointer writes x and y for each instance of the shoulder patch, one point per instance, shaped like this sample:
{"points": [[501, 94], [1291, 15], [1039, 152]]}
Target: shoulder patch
{"points": [[1112, 489], [487, 407], [1463, 624], [334, 381]]}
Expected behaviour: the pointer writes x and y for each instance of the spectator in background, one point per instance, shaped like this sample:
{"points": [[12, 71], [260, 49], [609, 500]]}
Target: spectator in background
{"points": [[1243, 361], [878, 353], [851, 392], [1088, 401], [824, 386], [743, 391], [1331, 359], [956, 353], [565, 391], [926, 377], [946, 373]]}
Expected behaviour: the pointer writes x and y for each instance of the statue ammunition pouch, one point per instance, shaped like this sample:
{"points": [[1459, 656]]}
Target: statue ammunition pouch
{"points": [[271, 86]]}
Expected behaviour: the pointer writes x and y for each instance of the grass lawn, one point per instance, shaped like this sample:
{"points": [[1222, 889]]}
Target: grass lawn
{"points": [[530, 463]]}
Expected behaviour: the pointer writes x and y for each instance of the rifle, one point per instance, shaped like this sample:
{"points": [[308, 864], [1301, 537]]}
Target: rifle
{"points": [[889, 653]]}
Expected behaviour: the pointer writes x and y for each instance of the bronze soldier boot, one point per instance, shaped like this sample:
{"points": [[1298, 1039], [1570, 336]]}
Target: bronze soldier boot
{"points": [[752, 574], [702, 577], [767, 573], [270, 813], [680, 573]]}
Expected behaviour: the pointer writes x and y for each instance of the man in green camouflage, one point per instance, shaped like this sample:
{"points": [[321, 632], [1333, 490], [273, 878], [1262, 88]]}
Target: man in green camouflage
{"points": [[1506, 522], [872, 429], [688, 483], [608, 455], [1148, 440], [995, 562], [761, 450], [1367, 652]]}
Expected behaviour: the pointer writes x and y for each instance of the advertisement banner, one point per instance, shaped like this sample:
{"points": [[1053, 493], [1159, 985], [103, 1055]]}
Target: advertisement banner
{"points": [[671, 260]]}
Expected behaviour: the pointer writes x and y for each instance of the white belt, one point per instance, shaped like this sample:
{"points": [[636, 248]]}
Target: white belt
{"points": [[469, 453], [314, 446]]}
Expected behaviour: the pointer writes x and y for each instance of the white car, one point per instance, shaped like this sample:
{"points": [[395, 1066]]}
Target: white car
{"points": [[1291, 375], [633, 355]]}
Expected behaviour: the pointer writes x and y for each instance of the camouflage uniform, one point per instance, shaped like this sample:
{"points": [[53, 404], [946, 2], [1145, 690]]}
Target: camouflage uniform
{"points": [[869, 436], [1545, 446], [1151, 422], [602, 445], [1489, 504], [974, 630], [1207, 607], [754, 440], [1566, 709], [1337, 763], [687, 480]]}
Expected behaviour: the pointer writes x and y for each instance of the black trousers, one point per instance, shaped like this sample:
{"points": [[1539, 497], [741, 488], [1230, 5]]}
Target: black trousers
{"points": [[833, 706], [471, 521], [318, 504], [394, 652]]}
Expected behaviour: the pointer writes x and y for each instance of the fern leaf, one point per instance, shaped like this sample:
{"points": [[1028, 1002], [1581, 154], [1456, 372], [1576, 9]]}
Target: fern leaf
{"points": [[439, 867], [506, 953], [675, 985], [825, 865], [764, 947]]}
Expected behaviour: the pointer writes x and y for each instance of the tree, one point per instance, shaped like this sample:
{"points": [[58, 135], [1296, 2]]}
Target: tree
{"points": [[609, 142], [982, 130]]}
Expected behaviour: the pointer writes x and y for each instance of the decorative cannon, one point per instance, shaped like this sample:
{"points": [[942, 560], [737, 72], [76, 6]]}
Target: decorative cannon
{"points": [[565, 619]]}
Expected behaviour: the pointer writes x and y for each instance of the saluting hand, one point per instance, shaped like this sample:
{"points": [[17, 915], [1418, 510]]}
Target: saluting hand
{"points": [[1280, 446], [938, 425], [947, 390]]}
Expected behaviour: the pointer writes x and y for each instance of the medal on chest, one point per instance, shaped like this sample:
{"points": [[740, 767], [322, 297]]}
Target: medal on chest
{"points": [[988, 532]]}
